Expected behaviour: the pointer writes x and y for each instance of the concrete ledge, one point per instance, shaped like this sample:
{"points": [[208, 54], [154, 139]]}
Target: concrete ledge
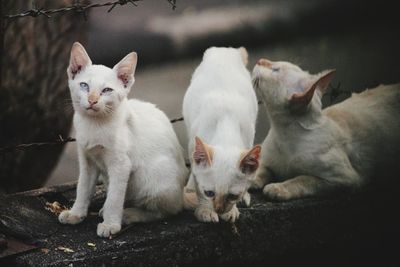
{"points": [[346, 230]]}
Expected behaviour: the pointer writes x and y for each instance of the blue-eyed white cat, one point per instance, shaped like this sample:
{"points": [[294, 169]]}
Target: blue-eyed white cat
{"points": [[130, 143], [220, 110], [312, 152]]}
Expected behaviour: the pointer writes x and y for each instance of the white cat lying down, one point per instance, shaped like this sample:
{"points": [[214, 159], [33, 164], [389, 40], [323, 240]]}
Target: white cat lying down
{"points": [[315, 152], [130, 143]]}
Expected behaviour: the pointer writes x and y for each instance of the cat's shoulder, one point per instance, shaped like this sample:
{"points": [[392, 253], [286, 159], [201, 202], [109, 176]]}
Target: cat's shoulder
{"points": [[146, 111]]}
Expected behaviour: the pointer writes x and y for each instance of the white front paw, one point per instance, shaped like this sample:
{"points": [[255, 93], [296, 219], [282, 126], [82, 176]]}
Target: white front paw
{"points": [[231, 216], [206, 215], [276, 191], [247, 199], [67, 217], [105, 229]]}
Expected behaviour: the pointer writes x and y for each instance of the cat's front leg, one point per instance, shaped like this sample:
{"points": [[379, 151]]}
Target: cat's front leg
{"points": [[206, 214], [232, 215], [88, 174], [119, 170], [262, 177], [298, 187]]}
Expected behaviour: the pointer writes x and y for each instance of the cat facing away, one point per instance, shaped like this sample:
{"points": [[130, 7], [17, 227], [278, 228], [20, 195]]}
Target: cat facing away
{"points": [[313, 152], [129, 143], [220, 110]]}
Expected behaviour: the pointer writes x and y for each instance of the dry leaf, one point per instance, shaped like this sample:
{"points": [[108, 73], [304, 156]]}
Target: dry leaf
{"points": [[64, 249], [91, 244], [55, 207]]}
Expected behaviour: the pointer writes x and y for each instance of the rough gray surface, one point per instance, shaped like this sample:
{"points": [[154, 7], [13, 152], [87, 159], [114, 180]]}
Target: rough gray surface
{"points": [[345, 230]]}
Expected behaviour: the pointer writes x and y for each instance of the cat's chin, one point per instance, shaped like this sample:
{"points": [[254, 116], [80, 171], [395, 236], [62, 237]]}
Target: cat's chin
{"points": [[91, 112]]}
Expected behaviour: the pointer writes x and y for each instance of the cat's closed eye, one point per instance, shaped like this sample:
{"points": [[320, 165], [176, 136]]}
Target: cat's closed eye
{"points": [[209, 193], [232, 197], [84, 86], [107, 90], [275, 69]]}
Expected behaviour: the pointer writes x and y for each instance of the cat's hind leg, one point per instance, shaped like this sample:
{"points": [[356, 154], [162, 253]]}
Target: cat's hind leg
{"points": [[135, 215], [190, 199]]}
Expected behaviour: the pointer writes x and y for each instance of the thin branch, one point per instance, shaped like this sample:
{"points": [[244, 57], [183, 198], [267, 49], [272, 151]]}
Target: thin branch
{"points": [[59, 141], [76, 7]]}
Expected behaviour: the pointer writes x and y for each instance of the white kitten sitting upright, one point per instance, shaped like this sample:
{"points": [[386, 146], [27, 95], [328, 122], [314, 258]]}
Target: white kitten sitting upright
{"points": [[130, 143], [220, 106], [314, 152]]}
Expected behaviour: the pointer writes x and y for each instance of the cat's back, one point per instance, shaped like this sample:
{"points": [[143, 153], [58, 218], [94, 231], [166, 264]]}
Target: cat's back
{"points": [[380, 105], [371, 120], [221, 84], [150, 126], [147, 114]]}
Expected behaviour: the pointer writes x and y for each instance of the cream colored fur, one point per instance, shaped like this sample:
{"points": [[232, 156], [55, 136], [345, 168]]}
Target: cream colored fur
{"points": [[220, 110], [129, 143], [310, 152]]}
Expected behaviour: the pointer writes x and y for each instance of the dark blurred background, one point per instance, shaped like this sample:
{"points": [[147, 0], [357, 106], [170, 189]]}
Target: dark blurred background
{"points": [[360, 39]]}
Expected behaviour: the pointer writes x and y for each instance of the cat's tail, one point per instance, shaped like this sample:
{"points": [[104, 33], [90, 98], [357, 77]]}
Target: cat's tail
{"points": [[190, 200]]}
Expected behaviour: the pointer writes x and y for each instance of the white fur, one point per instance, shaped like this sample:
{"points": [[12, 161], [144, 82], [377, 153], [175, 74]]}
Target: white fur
{"points": [[220, 107], [131, 144], [314, 152]]}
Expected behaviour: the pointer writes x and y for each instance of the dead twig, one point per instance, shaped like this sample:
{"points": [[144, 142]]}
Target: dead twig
{"points": [[36, 11]]}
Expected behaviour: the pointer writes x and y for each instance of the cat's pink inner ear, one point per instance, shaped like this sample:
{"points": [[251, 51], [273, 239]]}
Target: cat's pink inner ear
{"points": [[302, 99], [324, 80], [203, 153], [322, 83], [250, 160], [126, 68], [79, 60]]}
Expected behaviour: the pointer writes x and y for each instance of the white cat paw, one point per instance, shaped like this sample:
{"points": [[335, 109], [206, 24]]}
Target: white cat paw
{"points": [[66, 217], [206, 215], [247, 199], [257, 183], [105, 229], [231, 216], [276, 192]]}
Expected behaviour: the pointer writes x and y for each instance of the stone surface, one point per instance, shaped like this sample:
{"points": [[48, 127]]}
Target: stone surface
{"points": [[345, 230]]}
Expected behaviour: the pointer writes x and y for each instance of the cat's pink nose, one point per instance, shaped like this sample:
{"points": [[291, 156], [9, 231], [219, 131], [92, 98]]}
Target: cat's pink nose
{"points": [[92, 103], [264, 62]]}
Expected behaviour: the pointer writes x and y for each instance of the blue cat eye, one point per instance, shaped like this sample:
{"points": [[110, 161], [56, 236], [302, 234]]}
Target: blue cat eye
{"points": [[209, 193], [84, 86], [275, 69], [232, 197], [107, 90]]}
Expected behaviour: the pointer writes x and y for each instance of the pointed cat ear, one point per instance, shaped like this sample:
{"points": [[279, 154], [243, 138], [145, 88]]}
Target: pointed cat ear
{"points": [[322, 83], [244, 55], [78, 60], [126, 69], [203, 153], [250, 160]]}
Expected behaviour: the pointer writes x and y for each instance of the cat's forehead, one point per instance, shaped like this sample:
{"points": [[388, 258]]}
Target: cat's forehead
{"points": [[99, 71], [289, 66]]}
